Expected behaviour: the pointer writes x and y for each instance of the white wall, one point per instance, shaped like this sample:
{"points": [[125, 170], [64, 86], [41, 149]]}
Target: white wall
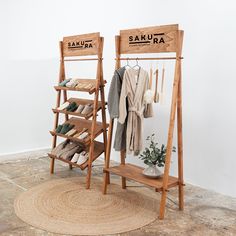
{"points": [[30, 31]]}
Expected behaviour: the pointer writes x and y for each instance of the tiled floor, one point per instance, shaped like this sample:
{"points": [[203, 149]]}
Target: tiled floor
{"points": [[206, 213]]}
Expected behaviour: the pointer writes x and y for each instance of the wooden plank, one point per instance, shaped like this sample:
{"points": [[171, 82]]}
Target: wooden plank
{"points": [[133, 172], [79, 101], [81, 45], [98, 150], [149, 40]]}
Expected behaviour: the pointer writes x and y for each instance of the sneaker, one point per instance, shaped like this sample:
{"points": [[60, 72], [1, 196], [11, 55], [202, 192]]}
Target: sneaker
{"points": [[83, 157], [75, 157]]}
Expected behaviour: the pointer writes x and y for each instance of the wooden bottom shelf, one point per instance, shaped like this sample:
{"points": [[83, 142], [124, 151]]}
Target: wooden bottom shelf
{"points": [[98, 150], [133, 172]]}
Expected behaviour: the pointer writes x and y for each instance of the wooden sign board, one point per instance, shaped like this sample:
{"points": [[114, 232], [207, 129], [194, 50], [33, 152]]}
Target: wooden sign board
{"points": [[149, 40], [81, 45]]}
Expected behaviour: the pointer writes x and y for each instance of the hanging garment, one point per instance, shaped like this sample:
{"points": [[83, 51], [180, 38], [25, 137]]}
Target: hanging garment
{"points": [[133, 88], [113, 108]]}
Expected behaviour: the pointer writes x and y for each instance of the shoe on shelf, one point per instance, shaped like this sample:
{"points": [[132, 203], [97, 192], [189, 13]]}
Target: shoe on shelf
{"points": [[80, 108], [72, 107], [71, 84], [87, 109], [83, 157], [83, 135], [63, 106], [66, 127], [64, 82], [71, 132], [75, 157], [59, 128]]}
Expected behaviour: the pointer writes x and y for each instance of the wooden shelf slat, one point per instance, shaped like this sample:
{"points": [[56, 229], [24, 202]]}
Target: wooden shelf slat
{"points": [[79, 124], [79, 101], [133, 172], [98, 150]]}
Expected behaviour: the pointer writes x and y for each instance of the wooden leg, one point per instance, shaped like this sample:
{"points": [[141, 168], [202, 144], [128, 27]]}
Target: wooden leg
{"points": [[54, 141], [70, 167], [180, 144], [122, 157], [107, 159], [52, 165], [170, 139]]}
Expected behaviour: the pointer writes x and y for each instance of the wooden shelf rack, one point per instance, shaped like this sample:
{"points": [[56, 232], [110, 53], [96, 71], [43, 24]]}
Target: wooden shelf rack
{"points": [[161, 39], [80, 121]]}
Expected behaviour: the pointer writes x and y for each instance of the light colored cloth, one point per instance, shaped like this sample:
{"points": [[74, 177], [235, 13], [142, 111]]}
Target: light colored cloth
{"points": [[63, 106], [113, 108], [134, 86]]}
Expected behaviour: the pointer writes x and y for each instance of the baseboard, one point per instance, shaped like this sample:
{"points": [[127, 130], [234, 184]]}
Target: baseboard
{"points": [[26, 154]]}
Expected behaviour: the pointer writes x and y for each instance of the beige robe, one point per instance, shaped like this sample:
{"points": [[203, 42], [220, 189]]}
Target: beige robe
{"points": [[135, 83]]}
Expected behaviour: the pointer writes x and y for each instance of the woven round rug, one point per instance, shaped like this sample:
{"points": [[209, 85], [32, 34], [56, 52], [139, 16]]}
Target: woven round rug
{"points": [[64, 206]]}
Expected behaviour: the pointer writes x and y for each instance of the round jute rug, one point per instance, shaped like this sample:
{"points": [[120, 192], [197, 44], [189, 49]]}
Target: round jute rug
{"points": [[64, 206]]}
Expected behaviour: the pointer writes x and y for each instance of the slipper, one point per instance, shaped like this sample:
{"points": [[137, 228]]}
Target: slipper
{"points": [[83, 157], [71, 84], [75, 157], [80, 108], [58, 129], [87, 109], [66, 127], [64, 82], [63, 106], [72, 107], [83, 135], [71, 132]]}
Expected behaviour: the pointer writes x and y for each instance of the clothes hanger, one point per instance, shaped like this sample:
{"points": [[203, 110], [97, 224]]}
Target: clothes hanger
{"points": [[136, 65], [127, 63]]}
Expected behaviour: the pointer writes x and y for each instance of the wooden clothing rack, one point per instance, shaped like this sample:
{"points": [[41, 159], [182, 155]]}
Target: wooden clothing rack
{"points": [[71, 48], [160, 39]]}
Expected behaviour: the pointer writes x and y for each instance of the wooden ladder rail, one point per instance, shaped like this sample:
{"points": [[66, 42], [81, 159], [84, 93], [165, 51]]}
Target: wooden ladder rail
{"points": [[176, 94], [110, 132], [61, 77], [95, 108]]}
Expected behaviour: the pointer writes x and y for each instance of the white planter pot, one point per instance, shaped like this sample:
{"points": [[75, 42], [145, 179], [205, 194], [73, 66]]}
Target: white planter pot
{"points": [[152, 172]]}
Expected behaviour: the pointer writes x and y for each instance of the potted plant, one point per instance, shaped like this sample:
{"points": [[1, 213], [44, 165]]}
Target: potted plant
{"points": [[154, 156]]}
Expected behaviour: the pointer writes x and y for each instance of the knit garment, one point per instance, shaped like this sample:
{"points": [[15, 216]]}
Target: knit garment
{"points": [[113, 108]]}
